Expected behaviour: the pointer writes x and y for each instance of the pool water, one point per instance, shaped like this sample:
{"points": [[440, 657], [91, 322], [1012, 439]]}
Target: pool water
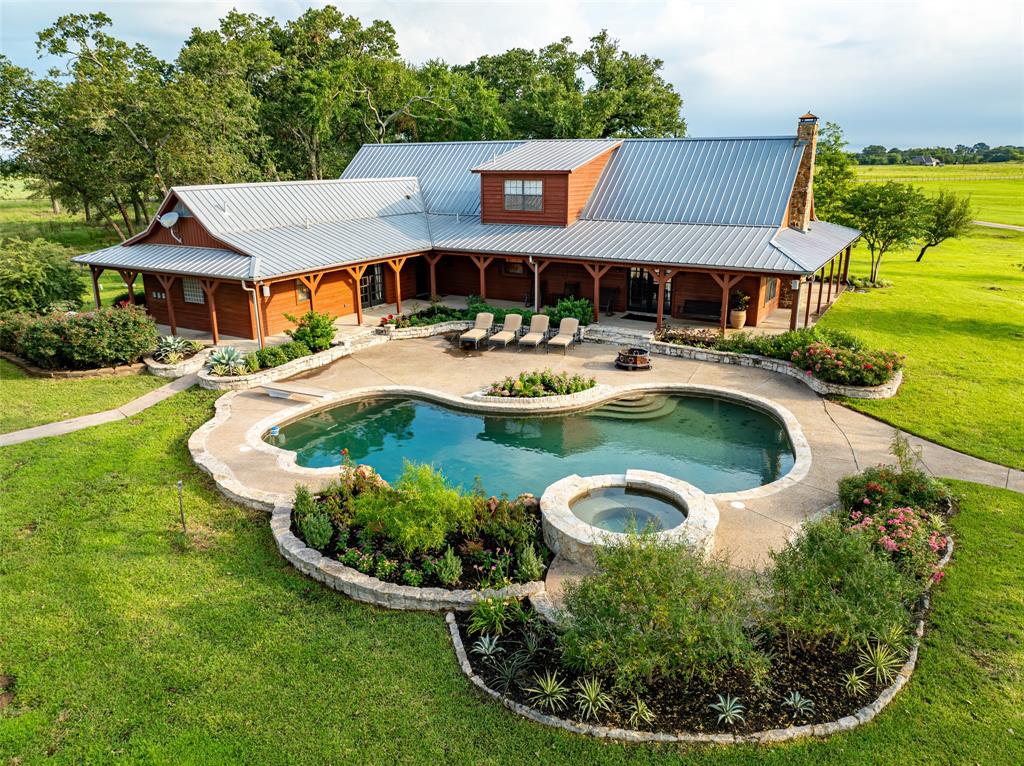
{"points": [[616, 509], [716, 444]]}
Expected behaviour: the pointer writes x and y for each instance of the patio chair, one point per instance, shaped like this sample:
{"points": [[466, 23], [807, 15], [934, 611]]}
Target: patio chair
{"points": [[538, 331], [566, 336], [509, 331], [481, 327]]}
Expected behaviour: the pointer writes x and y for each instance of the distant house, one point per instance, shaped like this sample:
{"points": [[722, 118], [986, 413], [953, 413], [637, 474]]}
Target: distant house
{"points": [[663, 227], [922, 160]]}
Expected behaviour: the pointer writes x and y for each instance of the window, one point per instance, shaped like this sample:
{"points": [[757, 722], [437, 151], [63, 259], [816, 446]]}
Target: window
{"points": [[192, 291], [524, 195], [159, 295], [302, 294], [771, 289]]}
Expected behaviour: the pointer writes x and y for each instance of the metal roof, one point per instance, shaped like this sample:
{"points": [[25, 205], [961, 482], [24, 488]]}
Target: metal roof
{"points": [[736, 181], [813, 248], [444, 169], [173, 259], [560, 155]]}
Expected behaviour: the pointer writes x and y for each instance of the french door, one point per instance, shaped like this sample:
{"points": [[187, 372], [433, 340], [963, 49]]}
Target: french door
{"points": [[642, 292], [371, 286]]}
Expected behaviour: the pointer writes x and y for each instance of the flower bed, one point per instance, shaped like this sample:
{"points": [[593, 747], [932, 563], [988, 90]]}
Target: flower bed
{"points": [[422, 532], [540, 383]]}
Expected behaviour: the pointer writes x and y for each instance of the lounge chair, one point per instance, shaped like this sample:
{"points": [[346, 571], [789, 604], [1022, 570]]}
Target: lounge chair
{"points": [[481, 327], [509, 331], [538, 331], [566, 336]]}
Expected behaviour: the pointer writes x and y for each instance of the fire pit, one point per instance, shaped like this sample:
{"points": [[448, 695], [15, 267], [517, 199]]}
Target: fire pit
{"points": [[633, 358]]}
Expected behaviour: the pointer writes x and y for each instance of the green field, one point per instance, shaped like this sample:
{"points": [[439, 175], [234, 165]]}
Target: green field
{"points": [[958, 316], [133, 644], [996, 188]]}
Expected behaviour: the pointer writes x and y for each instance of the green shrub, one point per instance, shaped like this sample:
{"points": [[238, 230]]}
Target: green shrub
{"points": [[252, 362], [580, 308], [315, 330], [36, 275], [294, 350], [101, 338], [701, 337], [882, 487], [477, 306], [656, 612], [303, 504], [913, 539], [846, 366], [418, 513], [831, 587], [448, 568], [271, 356], [540, 383], [121, 299], [11, 327], [316, 530], [530, 566]]}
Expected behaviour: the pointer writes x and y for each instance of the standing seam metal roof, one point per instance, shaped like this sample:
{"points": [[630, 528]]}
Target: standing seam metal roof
{"points": [[559, 155]]}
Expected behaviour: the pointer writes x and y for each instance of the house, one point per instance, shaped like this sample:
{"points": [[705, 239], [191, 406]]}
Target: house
{"points": [[654, 227], [928, 161]]}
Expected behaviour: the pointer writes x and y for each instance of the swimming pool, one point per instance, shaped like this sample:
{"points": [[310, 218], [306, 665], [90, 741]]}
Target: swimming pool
{"points": [[714, 443]]}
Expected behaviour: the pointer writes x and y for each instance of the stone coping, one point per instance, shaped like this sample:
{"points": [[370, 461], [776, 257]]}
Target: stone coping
{"points": [[282, 371], [194, 363], [427, 330], [362, 587], [782, 367], [569, 536], [98, 372], [286, 460], [766, 737]]}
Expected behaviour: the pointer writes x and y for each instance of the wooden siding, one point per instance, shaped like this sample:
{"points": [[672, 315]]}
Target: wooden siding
{"points": [[492, 199], [581, 185], [191, 233], [233, 308]]}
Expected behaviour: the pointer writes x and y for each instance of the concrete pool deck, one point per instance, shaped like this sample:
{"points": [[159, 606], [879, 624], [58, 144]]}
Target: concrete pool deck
{"points": [[841, 441]]}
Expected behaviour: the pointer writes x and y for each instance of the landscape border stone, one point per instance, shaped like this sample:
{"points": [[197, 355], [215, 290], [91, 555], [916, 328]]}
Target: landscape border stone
{"points": [[263, 377], [98, 372], [194, 363]]}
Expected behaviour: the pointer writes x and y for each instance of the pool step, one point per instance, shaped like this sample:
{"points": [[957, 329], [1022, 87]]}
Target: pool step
{"points": [[639, 407]]}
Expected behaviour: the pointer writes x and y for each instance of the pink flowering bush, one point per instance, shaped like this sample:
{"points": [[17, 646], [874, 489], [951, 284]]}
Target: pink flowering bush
{"points": [[846, 366], [882, 487], [913, 539]]}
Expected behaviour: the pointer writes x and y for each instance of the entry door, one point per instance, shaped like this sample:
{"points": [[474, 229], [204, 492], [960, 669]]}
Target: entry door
{"points": [[422, 278], [371, 286], [643, 292]]}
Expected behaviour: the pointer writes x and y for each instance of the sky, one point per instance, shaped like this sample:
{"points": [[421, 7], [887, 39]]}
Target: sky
{"points": [[891, 73]]}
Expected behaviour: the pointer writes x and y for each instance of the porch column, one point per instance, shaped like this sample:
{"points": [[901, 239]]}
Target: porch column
{"points": [[167, 283], [96, 271], [209, 290], [661, 276], [396, 266], [846, 264], [821, 289], [129, 278], [597, 272], [726, 282], [432, 260], [537, 267], [831, 278], [482, 263], [312, 283], [794, 309], [356, 273], [807, 311]]}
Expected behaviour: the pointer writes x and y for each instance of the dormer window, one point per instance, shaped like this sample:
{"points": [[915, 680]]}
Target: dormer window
{"points": [[524, 195]]}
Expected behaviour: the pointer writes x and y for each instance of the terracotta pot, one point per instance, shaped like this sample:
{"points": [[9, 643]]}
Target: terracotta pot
{"points": [[737, 318]]}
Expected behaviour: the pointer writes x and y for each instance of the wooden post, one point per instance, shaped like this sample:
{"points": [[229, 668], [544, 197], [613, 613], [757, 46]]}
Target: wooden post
{"points": [[537, 267], [831, 279], [596, 272], [726, 282], [129, 278], [396, 266], [482, 263], [167, 283], [357, 274], [432, 260], [312, 283], [821, 289], [794, 310], [807, 312], [661, 276], [209, 289], [846, 265], [96, 271]]}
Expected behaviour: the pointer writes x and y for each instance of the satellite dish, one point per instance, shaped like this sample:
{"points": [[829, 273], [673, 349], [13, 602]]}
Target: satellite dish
{"points": [[167, 220]]}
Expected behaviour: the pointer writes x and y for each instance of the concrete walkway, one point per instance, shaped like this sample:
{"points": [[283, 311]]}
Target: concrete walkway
{"points": [[98, 418], [992, 225]]}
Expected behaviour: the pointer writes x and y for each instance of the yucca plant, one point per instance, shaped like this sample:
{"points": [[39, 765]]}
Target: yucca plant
{"points": [[548, 691], [487, 647], [879, 661], [639, 713], [591, 698], [730, 709], [854, 683], [507, 672], [799, 704]]}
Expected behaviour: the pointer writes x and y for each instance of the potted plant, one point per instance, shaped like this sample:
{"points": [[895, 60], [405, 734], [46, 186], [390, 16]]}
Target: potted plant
{"points": [[738, 303]]}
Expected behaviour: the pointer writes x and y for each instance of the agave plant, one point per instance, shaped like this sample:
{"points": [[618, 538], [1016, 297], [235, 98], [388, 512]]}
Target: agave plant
{"points": [[639, 713], [729, 709], [228, 359], [591, 699], [171, 349], [548, 691], [487, 647], [799, 704]]}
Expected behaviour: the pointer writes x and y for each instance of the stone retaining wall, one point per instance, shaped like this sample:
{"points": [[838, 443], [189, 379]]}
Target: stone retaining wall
{"points": [[770, 736], [361, 587], [98, 372], [263, 377], [194, 363], [426, 331]]}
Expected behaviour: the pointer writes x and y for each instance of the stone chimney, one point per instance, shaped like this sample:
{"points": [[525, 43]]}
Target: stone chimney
{"points": [[801, 201]]}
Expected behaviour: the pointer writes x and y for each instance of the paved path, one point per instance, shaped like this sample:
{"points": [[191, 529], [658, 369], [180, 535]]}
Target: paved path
{"points": [[992, 225], [97, 418]]}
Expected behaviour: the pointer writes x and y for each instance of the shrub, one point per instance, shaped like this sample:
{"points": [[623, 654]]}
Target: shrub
{"points": [[294, 350], [448, 568], [315, 330], [656, 612], [271, 356], [700, 337], [11, 327], [252, 362], [36, 275], [121, 299], [846, 366], [540, 383], [303, 504], [101, 338], [882, 487], [580, 308], [418, 513], [316, 530], [529, 566], [831, 587], [914, 540]]}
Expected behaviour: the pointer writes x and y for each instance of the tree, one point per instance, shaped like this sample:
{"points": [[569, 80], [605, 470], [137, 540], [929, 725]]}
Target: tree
{"points": [[948, 216], [37, 275], [833, 172], [890, 216]]}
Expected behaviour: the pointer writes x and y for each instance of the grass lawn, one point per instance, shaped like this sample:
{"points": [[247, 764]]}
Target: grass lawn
{"points": [[996, 188], [958, 316], [131, 644], [27, 402]]}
